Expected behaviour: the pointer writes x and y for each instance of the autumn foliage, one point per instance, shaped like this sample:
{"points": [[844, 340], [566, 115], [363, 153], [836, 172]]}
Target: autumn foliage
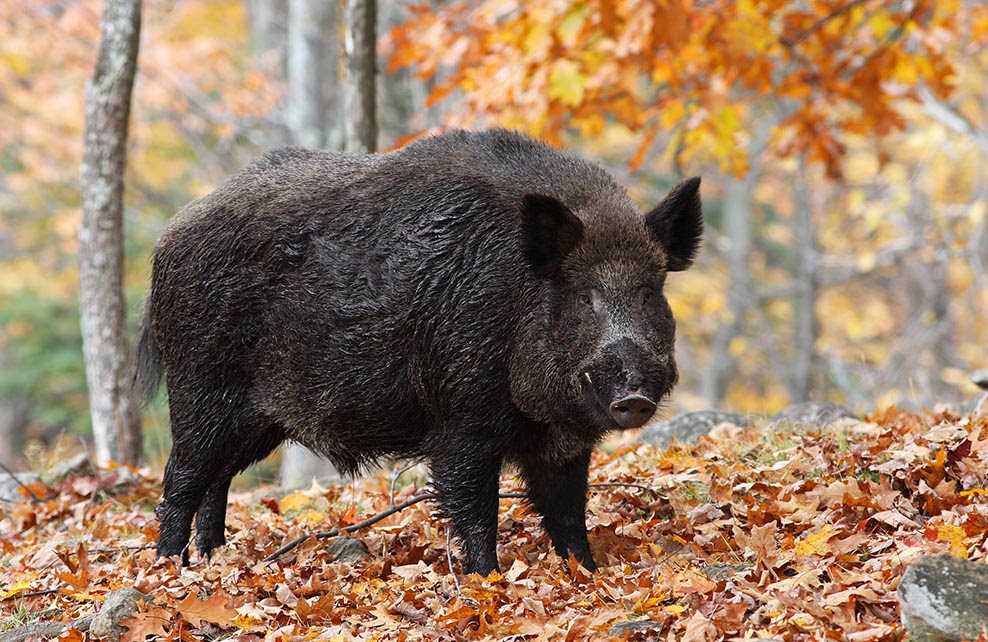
{"points": [[787, 531], [704, 71]]}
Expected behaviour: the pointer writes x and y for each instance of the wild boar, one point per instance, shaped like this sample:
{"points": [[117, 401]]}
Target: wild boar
{"points": [[474, 298]]}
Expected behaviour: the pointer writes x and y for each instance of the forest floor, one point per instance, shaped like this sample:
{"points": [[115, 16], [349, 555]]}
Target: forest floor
{"points": [[797, 534]]}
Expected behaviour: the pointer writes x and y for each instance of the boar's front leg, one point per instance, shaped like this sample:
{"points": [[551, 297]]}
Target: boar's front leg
{"points": [[465, 472], [559, 494]]}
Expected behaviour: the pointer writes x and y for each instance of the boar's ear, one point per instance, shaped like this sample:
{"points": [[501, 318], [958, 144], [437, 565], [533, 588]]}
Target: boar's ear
{"points": [[677, 224], [550, 230]]}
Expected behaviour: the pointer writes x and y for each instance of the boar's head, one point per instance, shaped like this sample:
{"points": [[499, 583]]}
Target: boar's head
{"points": [[598, 349]]}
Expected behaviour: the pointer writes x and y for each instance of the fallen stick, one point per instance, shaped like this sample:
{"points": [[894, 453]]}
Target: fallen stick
{"points": [[405, 504]]}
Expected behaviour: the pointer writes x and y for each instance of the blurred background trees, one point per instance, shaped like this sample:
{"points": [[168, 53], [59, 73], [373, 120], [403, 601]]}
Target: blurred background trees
{"points": [[843, 147]]}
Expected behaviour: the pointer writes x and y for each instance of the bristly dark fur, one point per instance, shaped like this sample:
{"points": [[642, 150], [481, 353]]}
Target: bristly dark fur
{"points": [[474, 298]]}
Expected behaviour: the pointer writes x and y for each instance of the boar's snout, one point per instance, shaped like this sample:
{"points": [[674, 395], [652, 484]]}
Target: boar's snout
{"points": [[632, 411], [626, 382]]}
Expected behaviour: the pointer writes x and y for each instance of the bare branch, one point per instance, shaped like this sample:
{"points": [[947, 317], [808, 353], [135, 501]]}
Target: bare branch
{"points": [[951, 118]]}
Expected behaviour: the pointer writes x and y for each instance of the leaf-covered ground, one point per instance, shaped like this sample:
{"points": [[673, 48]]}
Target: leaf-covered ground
{"points": [[792, 532]]}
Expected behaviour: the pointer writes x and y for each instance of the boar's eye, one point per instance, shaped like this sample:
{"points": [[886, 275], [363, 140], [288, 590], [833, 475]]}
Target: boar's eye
{"points": [[584, 298], [646, 296]]}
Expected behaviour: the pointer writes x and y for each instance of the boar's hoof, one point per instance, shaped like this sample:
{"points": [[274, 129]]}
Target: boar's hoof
{"points": [[632, 411]]}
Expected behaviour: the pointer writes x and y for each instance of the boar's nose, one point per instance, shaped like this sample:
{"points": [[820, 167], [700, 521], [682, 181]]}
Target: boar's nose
{"points": [[632, 411]]}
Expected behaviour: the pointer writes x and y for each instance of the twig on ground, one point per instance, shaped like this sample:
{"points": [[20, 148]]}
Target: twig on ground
{"points": [[623, 484], [21, 484], [409, 502], [121, 549], [352, 527], [452, 571], [394, 478], [17, 596]]}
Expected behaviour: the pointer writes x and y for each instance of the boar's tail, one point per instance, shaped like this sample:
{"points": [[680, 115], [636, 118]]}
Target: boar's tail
{"points": [[147, 375]]}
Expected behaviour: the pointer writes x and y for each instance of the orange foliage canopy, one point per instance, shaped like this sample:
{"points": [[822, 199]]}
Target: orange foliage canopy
{"points": [[702, 70]]}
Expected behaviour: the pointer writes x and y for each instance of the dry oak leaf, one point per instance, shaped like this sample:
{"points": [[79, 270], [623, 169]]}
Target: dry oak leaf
{"points": [[149, 620], [215, 609]]}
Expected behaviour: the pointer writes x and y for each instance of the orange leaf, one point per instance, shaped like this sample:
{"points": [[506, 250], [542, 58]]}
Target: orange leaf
{"points": [[216, 609], [149, 620], [643, 147]]}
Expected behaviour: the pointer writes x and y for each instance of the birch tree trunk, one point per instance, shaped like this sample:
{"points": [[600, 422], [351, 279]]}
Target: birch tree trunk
{"points": [[306, 66], [806, 327], [116, 423], [267, 20], [359, 99], [740, 290]]}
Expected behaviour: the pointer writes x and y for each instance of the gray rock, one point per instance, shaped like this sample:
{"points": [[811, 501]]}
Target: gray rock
{"points": [[688, 427], [980, 378], [981, 408], [718, 572], [969, 406], [942, 599], [722, 571], [119, 605], [626, 628], [78, 464], [10, 484], [815, 413], [348, 549]]}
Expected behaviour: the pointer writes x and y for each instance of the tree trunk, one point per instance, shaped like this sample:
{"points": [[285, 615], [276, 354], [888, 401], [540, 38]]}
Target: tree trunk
{"points": [[14, 412], [116, 423], [267, 19], [740, 291], [306, 67], [397, 90], [359, 111], [807, 283]]}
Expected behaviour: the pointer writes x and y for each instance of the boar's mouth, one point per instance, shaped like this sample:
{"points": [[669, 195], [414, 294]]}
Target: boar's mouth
{"points": [[601, 412], [613, 415]]}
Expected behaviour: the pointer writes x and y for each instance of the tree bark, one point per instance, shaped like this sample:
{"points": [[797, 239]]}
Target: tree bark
{"points": [[116, 423], [306, 66], [268, 20], [359, 96], [740, 289], [806, 327], [13, 422]]}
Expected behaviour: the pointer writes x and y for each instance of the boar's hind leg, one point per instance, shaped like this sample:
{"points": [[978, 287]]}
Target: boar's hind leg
{"points": [[210, 445], [465, 474], [183, 487], [559, 494], [211, 513], [211, 517]]}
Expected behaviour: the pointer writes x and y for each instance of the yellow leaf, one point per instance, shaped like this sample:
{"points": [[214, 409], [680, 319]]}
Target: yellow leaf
{"points": [[566, 82], [572, 23], [954, 535], [816, 543], [538, 40], [672, 113], [19, 587], [295, 501], [675, 609], [866, 261], [973, 492], [737, 346], [312, 516]]}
